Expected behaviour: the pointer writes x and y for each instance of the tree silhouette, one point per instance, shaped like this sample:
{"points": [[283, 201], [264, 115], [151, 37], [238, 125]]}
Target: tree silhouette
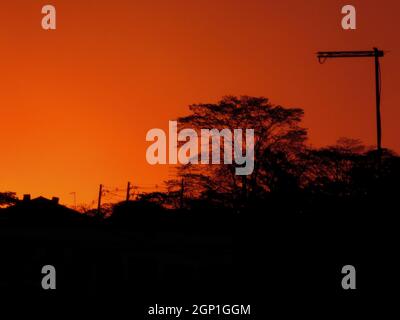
{"points": [[279, 140], [287, 174], [7, 198]]}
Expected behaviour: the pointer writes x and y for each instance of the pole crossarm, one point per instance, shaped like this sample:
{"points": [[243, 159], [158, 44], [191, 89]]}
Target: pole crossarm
{"points": [[349, 54]]}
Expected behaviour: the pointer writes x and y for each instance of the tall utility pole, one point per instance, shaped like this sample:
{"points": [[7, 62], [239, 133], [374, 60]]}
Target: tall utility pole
{"points": [[128, 190], [99, 201], [322, 56]]}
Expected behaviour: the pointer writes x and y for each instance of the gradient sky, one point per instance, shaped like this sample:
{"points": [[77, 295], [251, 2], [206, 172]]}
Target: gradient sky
{"points": [[76, 103]]}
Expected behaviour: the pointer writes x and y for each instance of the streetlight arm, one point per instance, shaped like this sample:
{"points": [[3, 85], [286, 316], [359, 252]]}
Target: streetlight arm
{"points": [[323, 55]]}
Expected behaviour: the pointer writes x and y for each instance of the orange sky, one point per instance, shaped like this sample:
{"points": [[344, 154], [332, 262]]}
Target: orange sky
{"points": [[76, 103]]}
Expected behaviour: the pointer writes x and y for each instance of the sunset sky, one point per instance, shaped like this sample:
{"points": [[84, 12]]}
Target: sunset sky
{"points": [[76, 103]]}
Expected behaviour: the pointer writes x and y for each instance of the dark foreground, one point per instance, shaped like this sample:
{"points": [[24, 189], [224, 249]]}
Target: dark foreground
{"points": [[269, 260]]}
